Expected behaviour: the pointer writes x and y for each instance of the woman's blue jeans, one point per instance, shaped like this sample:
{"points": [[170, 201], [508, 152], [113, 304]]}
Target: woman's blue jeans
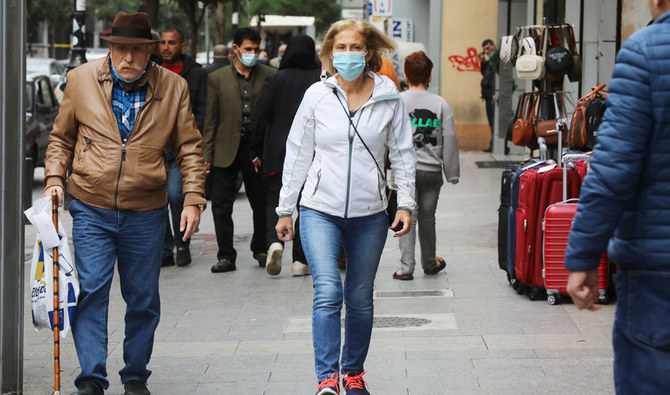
{"points": [[641, 334], [135, 239], [363, 240]]}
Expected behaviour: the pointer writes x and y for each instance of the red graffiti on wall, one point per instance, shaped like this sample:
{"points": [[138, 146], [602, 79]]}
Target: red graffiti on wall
{"points": [[470, 62]]}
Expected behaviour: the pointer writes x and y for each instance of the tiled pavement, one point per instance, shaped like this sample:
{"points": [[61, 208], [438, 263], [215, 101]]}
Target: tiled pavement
{"points": [[248, 333]]}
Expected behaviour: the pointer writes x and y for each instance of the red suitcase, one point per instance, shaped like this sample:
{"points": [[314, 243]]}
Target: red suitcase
{"points": [[525, 223], [558, 219], [551, 191], [538, 188]]}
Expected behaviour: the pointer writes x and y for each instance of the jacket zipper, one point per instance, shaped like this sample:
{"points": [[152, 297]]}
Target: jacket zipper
{"points": [[352, 137], [88, 142], [123, 146], [118, 178], [318, 181]]}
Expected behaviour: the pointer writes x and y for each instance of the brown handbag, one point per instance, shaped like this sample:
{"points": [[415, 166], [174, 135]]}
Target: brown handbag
{"points": [[522, 133], [548, 129], [577, 136]]}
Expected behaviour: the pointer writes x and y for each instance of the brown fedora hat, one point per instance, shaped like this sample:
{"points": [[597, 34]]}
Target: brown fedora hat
{"points": [[130, 29]]}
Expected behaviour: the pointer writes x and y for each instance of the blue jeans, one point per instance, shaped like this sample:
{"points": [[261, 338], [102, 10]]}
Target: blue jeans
{"points": [[101, 237], [428, 184], [363, 240], [641, 334], [176, 204]]}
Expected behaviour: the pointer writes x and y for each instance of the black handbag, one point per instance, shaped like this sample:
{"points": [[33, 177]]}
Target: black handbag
{"points": [[391, 194]]}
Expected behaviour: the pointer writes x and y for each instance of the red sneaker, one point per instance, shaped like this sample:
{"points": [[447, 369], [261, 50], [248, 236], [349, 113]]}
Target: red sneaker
{"points": [[329, 386], [354, 384]]}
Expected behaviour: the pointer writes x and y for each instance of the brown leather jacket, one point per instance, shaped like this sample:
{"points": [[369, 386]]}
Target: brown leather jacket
{"points": [[106, 174]]}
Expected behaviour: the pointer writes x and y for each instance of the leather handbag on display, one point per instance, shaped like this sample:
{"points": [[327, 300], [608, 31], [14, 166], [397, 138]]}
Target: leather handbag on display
{"points": [[512, 120], [559, 59], [523, 132], [530, 62], [548, 129], [578, 136]]}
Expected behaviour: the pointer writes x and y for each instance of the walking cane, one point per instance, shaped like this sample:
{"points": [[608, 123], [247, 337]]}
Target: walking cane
{"points": [[56, 313]]}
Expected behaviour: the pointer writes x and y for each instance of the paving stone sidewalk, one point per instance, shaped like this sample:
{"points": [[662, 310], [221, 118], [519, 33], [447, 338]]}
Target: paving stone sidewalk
{"points": [[464, 331]]}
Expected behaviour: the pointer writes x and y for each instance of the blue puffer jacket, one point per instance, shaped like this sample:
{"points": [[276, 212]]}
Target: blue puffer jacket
{"points": [[625, 199]]}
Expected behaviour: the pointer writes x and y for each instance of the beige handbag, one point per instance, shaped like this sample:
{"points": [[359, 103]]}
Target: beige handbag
{"points": [[530, 64]]}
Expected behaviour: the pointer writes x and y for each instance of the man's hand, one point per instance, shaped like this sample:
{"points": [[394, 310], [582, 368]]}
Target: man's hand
{"points": [[583, 288], [208, 167], [257, 164], [405, 217], [284, 228], [59, 192], [190, 219]]}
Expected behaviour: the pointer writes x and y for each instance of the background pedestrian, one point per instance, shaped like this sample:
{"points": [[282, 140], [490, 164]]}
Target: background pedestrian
{"points": [[434, 136]]}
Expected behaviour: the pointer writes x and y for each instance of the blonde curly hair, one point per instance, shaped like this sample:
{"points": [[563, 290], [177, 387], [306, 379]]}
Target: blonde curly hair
{"points": [[374, 40]]}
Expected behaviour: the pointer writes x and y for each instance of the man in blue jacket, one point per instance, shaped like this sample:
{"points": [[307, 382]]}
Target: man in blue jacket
{"points": [[625, 207]]}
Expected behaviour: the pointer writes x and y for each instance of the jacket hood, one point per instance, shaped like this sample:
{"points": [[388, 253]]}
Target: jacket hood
{"points": [[301, 53]]}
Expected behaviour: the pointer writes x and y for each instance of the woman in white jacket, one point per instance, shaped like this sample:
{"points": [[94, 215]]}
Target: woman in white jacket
{"points": [[337, 146]]}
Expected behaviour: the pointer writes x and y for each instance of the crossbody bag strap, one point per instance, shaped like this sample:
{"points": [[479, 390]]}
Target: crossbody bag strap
{"points": [[358, 134]]}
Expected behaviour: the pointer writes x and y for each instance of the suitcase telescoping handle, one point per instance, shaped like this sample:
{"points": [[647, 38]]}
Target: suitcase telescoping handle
{"points": [[570, 158], [543, 148]]}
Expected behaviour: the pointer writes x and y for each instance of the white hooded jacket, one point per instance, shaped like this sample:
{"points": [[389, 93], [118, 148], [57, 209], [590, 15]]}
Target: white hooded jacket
{"points": [[342, 178]]}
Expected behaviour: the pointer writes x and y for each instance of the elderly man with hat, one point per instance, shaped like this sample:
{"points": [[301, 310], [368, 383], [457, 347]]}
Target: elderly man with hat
{"points": [[118, 116]]}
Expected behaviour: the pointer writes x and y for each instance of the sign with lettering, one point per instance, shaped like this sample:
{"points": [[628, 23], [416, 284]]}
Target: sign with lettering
{"points": [[381, 7], [401, 29]]}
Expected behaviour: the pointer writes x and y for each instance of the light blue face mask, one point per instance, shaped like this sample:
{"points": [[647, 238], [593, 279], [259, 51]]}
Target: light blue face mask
{"points": [[116, 74], [248, 59], [349, 64]]}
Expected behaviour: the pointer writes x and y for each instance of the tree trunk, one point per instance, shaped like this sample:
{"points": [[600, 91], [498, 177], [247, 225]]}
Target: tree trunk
{"points": [[152, 10], [194, 39], [220, 24]]}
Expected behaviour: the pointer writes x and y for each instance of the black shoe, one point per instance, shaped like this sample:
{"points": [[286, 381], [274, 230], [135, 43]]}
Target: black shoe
{"points": [[168, 260], [183, 256], [440, 264], [223, 265], [261, 257], [89, 387], [134, 387], [489, 149], [402, 276]]}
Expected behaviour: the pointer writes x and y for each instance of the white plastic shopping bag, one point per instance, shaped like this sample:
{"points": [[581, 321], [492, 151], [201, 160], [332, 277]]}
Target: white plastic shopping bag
{"points": [[41, 270]]}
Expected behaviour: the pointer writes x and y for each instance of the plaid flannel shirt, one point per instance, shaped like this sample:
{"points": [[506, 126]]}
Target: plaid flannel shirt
{"points": [[126, 104]]}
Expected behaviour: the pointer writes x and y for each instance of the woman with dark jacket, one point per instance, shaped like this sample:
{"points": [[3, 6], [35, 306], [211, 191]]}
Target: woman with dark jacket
{"points": [[275, 109]]}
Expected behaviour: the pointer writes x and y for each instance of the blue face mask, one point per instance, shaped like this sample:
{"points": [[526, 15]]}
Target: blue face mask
{"points": [[349, 64], [248, 59], [117, 76]]}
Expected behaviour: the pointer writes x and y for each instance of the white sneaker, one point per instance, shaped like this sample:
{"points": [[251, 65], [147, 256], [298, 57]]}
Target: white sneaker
{"points": [[300, 269], [273, 263]]}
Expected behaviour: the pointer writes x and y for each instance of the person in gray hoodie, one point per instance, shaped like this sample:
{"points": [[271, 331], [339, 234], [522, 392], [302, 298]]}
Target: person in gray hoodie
{"points": [[434, 137]]}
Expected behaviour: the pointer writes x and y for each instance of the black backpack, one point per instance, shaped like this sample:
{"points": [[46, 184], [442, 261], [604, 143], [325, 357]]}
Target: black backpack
{"points": [[594, 115]]}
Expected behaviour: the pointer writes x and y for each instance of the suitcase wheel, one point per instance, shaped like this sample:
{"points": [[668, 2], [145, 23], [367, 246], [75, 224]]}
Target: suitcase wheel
{"points": [[552, 299], [602, 299]]}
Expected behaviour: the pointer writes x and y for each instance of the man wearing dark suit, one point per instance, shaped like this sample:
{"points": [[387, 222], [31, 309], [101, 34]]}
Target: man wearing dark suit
{"points": [[231, 96]]}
